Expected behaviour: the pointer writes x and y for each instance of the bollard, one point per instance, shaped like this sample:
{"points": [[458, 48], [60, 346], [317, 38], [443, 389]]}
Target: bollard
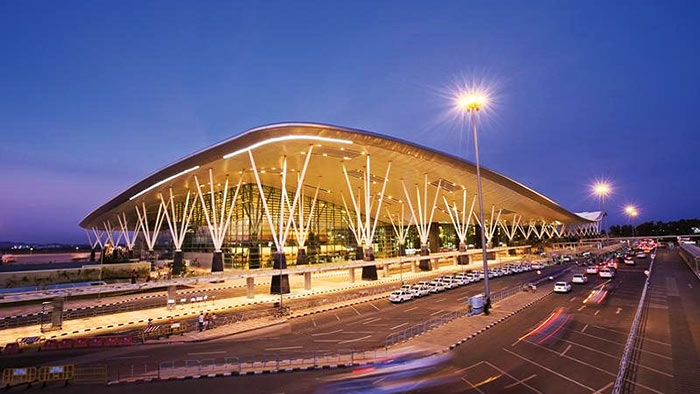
{"points": [[352, 275], [307, 280], [413, 266], [386, 270], [250, 286]]}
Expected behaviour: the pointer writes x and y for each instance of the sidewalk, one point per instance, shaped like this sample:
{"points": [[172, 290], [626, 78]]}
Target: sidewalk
{"points": [[127, 320]]}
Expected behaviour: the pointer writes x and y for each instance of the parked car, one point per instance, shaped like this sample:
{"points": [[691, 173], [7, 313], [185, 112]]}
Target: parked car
{"points": [[400, 296], [537, 266], [562, 287], [579, 278], [436, 286], [463, 278], [407, 288], [473, 277], [420, 291]]}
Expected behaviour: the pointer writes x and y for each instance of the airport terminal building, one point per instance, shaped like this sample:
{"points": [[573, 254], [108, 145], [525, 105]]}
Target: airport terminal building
{"points": [[297, 193]]}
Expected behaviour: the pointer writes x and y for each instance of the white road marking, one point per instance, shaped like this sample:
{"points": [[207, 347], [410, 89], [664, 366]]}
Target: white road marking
{"points": [[327, 340], [359, 332], [356, 311], [624, 333], [314, 322], [284, 348], [374, 306], [521, 382], [581, 308], [572, 299], [205, 353], [604, 388], [411, 309], [442, 299], [336, 316], [584, 328], [435, 313], [565, 350], [400, 325], [127, 357], [354, 340], [617, 312], [320, 334], [463, 298], [596, 312], [549, 370], [472, 385], [372, 320]]}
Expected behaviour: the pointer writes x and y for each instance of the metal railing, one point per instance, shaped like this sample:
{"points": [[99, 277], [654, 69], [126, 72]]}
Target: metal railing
{"points": [[626, 353], [406, 334], [275, 362]]}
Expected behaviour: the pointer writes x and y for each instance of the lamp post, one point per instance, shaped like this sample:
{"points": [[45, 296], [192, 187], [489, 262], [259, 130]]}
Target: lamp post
{"points": [[472, 103], [601, 189], [631, 212]]}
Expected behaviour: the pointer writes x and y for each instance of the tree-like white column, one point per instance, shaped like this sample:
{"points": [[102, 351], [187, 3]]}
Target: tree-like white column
{"points": [[302, 224], [218, 217], [280, 283], [365, 230], [489, 228], [178, 224], [461, 222], [510, 229], [421, 217], [93, 244], [150, 233], [129, 237], [400, 229]]}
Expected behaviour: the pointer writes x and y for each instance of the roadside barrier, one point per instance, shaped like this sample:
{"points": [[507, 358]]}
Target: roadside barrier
{"points": [[11, 348], [17, 376], [404, 335], [28, 342], [56, 373]]}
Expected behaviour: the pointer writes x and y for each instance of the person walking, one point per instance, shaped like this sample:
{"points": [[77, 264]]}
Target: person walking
{"points": [[133, 276], [213, 320], [206, 321], [200, 322]]}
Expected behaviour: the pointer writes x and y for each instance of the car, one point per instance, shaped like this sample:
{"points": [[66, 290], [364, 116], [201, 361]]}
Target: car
{"points": [[641, 255], [407, 288], [612, 263], [449, 282], [527, 267], [606, 273], [424, 283], [463, 278], [586, 254], [400, 296], [497, 272], [629, 262], [562, 287], [436, 286], [592, 269], [579, 278], [537, 266], [566, 258], [473, 277], [420, 290]]}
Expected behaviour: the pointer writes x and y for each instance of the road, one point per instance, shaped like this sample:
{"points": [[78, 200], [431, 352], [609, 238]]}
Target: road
{"points": [[583, 357]]}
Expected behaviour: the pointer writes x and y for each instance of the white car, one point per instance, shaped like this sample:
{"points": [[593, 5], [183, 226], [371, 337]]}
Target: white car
{"points": [[606, 273], [641, 255], [449, 282], [579, 278], [420, 291], [566, 259], [473, 277], [562, 287], [537, 266], [592, 270], [436, 286], [629, 262], [407, 288], [463, 279], [586, 254], [400, 296]]}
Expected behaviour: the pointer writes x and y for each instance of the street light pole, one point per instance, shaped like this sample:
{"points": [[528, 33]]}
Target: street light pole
{"points": [[487, 291]]}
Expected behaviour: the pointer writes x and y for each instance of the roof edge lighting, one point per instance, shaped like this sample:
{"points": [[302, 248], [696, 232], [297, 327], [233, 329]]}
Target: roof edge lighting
{"points": [[170, 178], [287, 138]]}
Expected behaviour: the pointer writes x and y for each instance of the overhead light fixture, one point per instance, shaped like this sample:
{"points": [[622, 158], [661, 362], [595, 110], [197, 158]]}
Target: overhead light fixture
{"points": [[168, 179], [286, 138]]}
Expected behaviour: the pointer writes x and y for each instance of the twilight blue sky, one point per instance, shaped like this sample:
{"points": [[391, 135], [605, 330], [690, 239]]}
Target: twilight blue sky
{"points": [[94, 95]]}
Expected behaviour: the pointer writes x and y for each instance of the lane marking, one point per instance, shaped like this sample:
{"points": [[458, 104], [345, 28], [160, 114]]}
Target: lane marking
{"points": [[522, 381], [411, 309], [621, 344], [372, 320], [463, 298], [584, 328], [320, 334], [604, 388], [565, 350], [435, 313], [617, 312], [355, 340], [205, 353], [327, 340], [549, 370], [441, 300], [314, 322], [284, 348], [336, 316], [356, 311], [374, 306], [596, 312], [581, 308], [624, 333], [472, 385], [127, 357], [359, 332], [400, 325], [572, 299]]}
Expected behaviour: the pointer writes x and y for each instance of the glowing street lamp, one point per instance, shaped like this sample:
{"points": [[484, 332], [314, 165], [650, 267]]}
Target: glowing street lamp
{"points": [[472, 102], [601, 190], [631, 212]]}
